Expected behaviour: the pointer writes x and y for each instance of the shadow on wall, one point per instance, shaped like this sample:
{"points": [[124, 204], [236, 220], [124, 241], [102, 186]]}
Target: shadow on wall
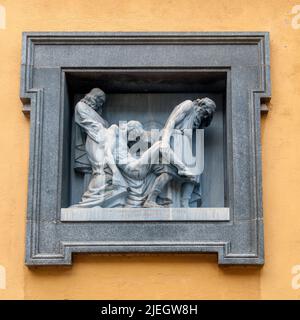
{"points": [[2, 18], [143, 276], [135, 260], [2, 278]]}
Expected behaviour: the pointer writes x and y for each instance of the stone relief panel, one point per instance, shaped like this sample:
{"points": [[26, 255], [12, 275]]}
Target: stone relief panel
{"points": [[139, 152], [139, 175]]}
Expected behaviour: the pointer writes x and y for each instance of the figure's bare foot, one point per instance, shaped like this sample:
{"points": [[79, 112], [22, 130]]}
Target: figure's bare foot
{"points": [[185, 203], [151, 204]]}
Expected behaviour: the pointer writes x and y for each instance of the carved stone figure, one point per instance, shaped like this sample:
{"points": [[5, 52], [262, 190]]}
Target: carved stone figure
{"points": [[107, 183], [83, 110], [186, 116], [124, 178], [138, 170]]}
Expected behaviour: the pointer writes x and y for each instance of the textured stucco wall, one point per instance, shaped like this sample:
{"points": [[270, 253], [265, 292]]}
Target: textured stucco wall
{"points": [[157, 276]]}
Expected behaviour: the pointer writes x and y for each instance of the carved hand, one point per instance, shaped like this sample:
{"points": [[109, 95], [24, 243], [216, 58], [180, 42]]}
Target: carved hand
{"points": [[164, 149]]}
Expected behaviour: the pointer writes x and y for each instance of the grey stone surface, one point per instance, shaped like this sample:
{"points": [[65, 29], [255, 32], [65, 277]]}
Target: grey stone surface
{"points": [[49, 58], [142, 214]]}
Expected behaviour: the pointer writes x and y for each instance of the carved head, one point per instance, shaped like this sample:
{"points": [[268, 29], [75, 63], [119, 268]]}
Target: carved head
{"points": [[134, 129], [205, 109], [95, 99]]}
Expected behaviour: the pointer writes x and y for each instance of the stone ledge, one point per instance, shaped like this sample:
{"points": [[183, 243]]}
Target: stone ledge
{"points": [[144, 214]]}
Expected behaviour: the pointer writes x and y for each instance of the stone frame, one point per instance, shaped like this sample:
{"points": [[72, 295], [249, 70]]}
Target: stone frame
{"points": [[244, 57]]}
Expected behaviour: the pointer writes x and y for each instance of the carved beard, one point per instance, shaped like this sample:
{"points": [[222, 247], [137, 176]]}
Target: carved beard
{"points": [[206, 119], [93, 103]]}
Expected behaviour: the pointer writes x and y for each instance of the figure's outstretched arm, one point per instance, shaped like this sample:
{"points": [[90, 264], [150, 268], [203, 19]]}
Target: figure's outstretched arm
{"points": [[150, 156], [178, 114]]}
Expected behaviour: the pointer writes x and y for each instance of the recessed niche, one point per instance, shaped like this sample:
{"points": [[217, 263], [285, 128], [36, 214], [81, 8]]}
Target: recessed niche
{"points": [[148, 97]]}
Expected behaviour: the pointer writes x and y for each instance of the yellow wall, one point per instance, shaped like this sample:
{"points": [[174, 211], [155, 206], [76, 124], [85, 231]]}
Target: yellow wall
{"points": [[157, 276]]}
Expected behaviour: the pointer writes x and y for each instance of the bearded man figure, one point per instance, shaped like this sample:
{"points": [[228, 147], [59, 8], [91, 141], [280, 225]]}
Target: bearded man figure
{"points": [[107, 186], [188, 115]]}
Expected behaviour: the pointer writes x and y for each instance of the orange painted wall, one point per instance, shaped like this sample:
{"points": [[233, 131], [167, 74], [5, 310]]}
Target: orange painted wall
{"points": [[157, 276]]}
